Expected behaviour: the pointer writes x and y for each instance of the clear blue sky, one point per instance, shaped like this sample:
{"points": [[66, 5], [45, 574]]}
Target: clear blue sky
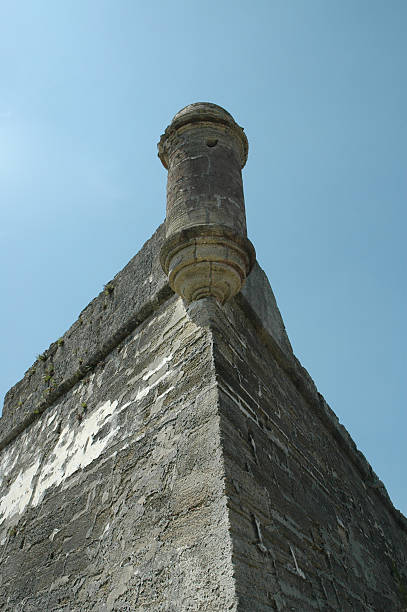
{"points": [[86, 89]]}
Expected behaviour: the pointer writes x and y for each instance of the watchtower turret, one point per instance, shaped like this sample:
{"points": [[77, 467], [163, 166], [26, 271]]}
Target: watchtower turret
{"points": [[206, 251]]}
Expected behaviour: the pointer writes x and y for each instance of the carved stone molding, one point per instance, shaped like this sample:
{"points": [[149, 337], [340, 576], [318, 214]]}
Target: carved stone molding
{"points": [[207, 261]]}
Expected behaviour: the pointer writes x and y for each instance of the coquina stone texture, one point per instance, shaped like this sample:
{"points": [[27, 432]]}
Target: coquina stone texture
{"points": [[168, 456], [186, 462], [112, 497]]}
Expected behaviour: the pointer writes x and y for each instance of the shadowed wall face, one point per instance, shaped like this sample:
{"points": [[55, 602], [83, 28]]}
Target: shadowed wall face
{"points": [[309, 533]]}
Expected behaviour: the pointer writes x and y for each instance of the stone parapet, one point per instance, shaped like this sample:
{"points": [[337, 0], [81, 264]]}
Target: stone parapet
{"points": [[134, 293]]}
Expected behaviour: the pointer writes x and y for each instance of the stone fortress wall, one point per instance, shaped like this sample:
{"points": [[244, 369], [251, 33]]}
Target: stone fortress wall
{"points": [[172, 454]]}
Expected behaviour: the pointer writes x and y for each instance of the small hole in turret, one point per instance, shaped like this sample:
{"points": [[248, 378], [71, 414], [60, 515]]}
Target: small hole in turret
{"points": [[212, 142]]}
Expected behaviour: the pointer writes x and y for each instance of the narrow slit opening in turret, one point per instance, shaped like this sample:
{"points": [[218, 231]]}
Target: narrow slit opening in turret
{"points": [[212, 142]]}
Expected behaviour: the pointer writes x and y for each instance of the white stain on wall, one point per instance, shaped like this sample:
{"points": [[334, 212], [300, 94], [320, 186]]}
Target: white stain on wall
{"points": [[19, 493], [77, 447]]}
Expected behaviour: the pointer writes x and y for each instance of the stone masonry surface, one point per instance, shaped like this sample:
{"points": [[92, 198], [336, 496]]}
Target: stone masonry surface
{"points": [[134, 294], [309, 531], [170, 458], [114, 498]]}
